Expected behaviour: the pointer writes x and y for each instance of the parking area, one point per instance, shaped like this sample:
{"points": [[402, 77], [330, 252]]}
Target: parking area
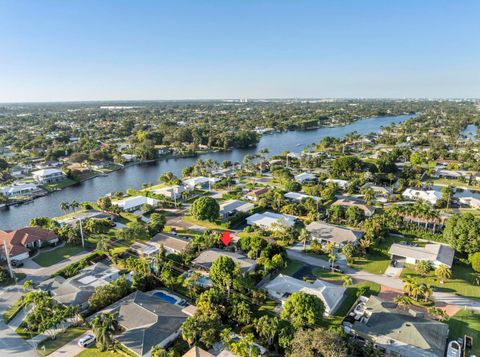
{"points": [[395, 267]]}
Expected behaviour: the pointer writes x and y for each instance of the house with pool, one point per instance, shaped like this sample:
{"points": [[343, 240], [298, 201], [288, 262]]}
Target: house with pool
{"points": [[147, 320]]}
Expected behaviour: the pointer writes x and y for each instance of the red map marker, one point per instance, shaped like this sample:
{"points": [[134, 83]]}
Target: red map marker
{"points": [[226, 238]]}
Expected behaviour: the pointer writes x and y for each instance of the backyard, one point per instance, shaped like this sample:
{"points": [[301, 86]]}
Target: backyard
{"points": [[47, 259], [465, 322], [462, 281]]}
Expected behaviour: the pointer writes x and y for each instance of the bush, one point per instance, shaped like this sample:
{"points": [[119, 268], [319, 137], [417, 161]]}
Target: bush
{"points": [[73, 269]]}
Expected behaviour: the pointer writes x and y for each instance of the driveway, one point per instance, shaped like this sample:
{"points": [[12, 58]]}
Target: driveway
{"points": [[395, 271], [71, 348], [38, 274]]}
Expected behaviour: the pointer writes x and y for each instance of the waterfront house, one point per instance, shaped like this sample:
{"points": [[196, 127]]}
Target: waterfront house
{"points": [[470, 202], [268, 220], [134, 203], [207, 257], [435, 253], [283, 286], [19, 242], [47, 176], [325, 232], [200, 181], [172, 192], [24, 189], [233, 207], [393, 331]]}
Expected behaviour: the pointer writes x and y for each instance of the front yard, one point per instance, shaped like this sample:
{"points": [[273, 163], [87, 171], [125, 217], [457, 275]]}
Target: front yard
{"points": [[47, 259], [465, 323], [95, 352], [60, 340], [462, 281]]}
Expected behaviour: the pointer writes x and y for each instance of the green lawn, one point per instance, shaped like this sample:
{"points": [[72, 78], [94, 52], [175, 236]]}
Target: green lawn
{"points": [[13, 310], [373, 263], [462, 281], [10, 281], [49, 258], [94, 352], [24, 333], [455, 182], [207, 224], [61, 339], [465, 322], [59, 185], [292, 267]]}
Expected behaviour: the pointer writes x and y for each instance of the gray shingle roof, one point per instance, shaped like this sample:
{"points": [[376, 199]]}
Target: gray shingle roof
{"points": [[207, 257], [330, 232]]}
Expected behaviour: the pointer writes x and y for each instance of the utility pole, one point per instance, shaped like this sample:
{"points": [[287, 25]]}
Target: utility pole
{"points": [[81, 233], [7, 255]]}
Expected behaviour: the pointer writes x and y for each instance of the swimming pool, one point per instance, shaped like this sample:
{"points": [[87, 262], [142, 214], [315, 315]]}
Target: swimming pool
{"points": [[165, 297], [204, 281]]}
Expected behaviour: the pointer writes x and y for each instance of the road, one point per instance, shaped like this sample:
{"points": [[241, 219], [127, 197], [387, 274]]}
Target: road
{"points": [[10, 343], [70, 349], [441, 298]]}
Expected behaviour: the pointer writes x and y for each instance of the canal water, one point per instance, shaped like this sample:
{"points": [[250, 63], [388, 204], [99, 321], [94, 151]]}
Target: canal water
{"points": [[135, 176]]}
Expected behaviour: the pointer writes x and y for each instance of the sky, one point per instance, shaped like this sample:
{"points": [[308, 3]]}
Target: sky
{"points": [[74, 50]]}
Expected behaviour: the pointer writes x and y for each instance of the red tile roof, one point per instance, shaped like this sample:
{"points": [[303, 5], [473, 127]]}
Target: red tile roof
{"points": [[17, 240]]}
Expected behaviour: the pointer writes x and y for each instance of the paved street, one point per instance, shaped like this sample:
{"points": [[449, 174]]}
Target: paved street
{"points": [[441, 298]]}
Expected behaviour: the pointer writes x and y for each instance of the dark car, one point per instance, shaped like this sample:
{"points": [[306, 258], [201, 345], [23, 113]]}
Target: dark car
{"points": [[16, 263]]}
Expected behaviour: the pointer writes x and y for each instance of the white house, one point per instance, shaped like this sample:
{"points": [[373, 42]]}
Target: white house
{"points": [[193, 182], [131, 204], [305, 177], [430, 196], [268, 220], [46, 176], [283, 286], [342, 184], [298, 197], [469, 201], [172, 192], [437, 254], [19, 190]]}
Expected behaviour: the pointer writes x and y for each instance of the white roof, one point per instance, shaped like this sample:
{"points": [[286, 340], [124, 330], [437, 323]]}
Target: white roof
{"points": [[135, 201], [235, 205], [20, 187], [46, 172], [341, 183], [194, 181], [442, 253], [431, 196], [283, 286], [298, 196], [304, 176], [170, 189], [267, 219]]}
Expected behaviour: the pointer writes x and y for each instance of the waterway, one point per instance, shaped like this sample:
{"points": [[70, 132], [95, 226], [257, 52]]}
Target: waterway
{"points": [[470, 132], [135, 176]]}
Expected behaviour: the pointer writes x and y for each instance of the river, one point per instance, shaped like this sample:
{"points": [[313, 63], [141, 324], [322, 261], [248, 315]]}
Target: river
{"points": [[135, 176]]}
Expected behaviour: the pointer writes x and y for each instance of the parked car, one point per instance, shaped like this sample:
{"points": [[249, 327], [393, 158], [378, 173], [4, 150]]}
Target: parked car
{"points": [[87, 341], [16, 263]]}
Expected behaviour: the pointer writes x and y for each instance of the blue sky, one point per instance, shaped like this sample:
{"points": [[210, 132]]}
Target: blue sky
{"points": [[144, 49]]}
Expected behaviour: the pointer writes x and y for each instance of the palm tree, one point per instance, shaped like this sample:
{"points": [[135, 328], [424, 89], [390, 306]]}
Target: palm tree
{"points": [[27, 284], [426, 290], [329, 247], [64, 206], [332, 258], [409, 285], [303, 237], [74, 205], [447, 193], [402, 300], [104, 325], [347, 281], [443, 272]]}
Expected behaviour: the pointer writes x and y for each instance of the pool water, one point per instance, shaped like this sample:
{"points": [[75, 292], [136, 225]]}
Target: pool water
{"points": [[165, 297], [204, 281]]}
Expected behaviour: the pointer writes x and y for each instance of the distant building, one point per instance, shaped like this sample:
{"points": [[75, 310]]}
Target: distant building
{"points": [[232, 207], [393, 331], [200, 181], [283, 286], [254, 195], [46, 176], [24, 189], [348, 202], [268, 220], [305, 177], [172, 244], [437, 254], [298, 196], [20, 241], [134, 203], [342, 184], [430, 196], [325, 232]]}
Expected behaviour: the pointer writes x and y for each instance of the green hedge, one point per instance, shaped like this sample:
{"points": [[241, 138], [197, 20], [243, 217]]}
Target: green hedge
{"points": [[73, 269], [13, 310]]}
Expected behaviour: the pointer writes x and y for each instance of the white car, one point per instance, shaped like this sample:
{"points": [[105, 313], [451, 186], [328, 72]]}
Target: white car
{"points": [[86, 341]]}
